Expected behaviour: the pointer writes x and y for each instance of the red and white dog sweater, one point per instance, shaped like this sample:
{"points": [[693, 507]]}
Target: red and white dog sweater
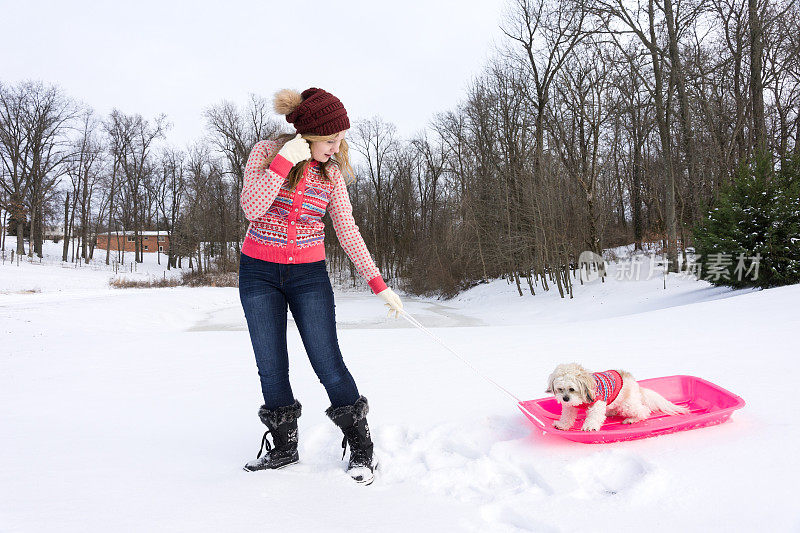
{"points": [[607, 386]]}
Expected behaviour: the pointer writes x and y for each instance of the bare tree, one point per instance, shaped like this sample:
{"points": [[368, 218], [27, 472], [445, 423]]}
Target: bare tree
{"points": [[48, 114], [15, 156], [170, 191], [376, 141], [132, 143], [83, 168], [635, 113], [643, 21], [547, 32], [233, 133], [577, 120]]}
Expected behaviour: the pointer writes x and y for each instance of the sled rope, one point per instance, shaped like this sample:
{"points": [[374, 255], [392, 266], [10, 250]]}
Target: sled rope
{"points": [[416, 323]]}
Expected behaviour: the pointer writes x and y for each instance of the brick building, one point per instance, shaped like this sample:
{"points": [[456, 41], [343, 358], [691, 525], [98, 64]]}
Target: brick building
{"points": [[149, 241]]}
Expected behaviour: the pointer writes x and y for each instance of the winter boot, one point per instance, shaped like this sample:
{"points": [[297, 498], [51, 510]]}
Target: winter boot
{"points": [[282, 424], [352, 420]]}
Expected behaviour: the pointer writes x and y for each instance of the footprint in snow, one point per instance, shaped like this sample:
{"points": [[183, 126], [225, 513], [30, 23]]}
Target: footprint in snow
{"points": [[608, 472]]}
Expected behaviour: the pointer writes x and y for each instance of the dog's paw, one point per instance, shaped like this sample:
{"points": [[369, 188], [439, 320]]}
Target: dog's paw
{"points": [[562, 426], [590, 427]]}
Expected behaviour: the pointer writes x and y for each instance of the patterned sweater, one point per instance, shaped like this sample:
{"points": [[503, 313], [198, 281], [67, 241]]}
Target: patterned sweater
{"points": [[286, 226], [607, 386]]}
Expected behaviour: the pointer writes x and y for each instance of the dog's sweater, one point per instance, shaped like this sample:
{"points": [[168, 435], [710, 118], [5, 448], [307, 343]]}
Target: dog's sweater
{"points": [[607, 386], [286, 226]]}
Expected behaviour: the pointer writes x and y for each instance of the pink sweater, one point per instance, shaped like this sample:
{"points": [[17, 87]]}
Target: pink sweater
{"points": [[286, 227]]}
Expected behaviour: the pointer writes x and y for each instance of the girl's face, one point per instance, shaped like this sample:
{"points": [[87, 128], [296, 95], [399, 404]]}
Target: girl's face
{"points": [[324, 150]]}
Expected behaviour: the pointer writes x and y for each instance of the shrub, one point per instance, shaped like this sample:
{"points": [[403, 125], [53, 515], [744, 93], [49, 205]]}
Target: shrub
{"points": [[123, 283], [211, 278]]}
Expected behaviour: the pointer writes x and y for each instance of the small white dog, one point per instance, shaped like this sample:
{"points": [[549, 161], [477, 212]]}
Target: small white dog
{"points": [[609, 393]]}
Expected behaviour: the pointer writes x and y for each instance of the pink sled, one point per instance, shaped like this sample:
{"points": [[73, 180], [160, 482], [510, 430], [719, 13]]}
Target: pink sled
{"points": [[709, 404]]}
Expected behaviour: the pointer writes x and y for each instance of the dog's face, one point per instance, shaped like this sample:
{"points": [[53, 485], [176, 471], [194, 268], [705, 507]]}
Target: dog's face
{"points": [[571, 384]]}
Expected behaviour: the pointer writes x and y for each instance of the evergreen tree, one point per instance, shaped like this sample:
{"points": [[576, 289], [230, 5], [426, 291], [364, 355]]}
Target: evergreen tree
{"points": [[751, 238]]}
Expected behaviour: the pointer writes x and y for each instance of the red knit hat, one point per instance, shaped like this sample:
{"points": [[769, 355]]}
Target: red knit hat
{"points": [[313, 111]]}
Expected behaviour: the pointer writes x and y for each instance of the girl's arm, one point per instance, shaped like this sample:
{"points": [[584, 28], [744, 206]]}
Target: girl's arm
{"points": [[349, 236], [262, 183]]}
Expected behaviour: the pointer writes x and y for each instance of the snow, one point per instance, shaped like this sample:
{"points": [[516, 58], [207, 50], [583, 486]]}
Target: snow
{"points": [[135, 409]]}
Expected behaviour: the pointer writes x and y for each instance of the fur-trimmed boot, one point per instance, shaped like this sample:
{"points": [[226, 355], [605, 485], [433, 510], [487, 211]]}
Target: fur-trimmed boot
{"points": [[352, 420], [282, 424]]}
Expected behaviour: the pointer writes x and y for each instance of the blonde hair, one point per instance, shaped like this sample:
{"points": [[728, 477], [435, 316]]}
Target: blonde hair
{"points": [[341, 159]]}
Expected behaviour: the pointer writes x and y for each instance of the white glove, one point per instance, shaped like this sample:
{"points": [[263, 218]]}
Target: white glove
{"points": [[296, 150], [392, 302]]}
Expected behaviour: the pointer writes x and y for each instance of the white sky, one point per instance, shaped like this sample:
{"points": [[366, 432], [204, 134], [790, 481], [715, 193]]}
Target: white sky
{"points": [[403, 61]]}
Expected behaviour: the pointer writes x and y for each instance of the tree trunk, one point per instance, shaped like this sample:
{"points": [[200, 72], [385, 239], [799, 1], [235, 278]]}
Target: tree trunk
{"points": [[756, 83], [636, 199], [85, 217], [20, 237], [110, 210], [683, 102], [663, 129], [65, 250], [3, 231]]}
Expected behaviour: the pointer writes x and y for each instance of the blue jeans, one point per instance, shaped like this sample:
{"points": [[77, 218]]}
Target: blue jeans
{"points": [[265, 290]]}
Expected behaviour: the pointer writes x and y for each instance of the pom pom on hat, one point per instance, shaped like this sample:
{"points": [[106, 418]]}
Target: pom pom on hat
{"points": [[286, 101]]}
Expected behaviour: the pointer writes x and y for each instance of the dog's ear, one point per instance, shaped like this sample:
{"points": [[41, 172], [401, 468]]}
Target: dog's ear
{"points": [[586, 382], [550, 382], [558, 371]]}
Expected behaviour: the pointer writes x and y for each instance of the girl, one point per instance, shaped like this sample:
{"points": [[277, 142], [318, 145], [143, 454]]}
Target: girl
{"points": [[289, 184]]}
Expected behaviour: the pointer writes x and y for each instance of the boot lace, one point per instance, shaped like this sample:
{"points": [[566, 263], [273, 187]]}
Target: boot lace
{"points": [[358, 455], [264, 443]]}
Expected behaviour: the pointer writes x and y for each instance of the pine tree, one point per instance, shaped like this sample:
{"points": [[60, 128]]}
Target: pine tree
{"points": [[756, 220]]}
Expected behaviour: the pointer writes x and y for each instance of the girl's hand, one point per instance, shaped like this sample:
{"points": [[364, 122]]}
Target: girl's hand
{"points": [[392, 302], [296, 150]]}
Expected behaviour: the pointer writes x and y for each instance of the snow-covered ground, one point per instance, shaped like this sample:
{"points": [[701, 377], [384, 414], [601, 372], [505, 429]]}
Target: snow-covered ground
{"points": [[134, 410]]}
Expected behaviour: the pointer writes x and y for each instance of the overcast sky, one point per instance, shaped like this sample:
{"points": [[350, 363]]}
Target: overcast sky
{"points": [[402, 60]]}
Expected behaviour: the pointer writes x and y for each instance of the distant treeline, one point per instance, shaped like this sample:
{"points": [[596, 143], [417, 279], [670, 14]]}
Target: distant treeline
{"points": [[598, 123]]}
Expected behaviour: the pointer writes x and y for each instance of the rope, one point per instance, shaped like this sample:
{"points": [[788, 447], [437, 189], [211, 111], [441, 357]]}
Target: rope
{"points": [[416, 323]]}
